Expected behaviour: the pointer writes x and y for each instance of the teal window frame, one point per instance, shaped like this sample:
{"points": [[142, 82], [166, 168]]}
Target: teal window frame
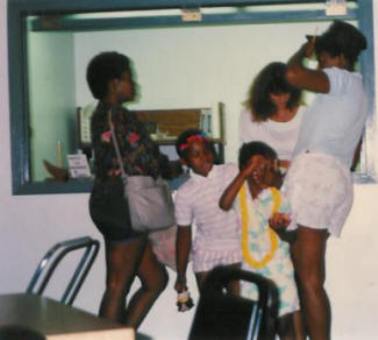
{"points": [[18, 9]]}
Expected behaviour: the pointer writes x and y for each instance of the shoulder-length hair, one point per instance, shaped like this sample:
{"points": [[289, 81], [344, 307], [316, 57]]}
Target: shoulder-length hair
{"points": [[270, 80]]}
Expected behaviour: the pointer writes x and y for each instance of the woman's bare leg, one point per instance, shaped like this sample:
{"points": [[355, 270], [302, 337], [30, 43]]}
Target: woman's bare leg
{"points": [[308, 252], [154, 278], [299, 329], [233, 287], [122, 261]]}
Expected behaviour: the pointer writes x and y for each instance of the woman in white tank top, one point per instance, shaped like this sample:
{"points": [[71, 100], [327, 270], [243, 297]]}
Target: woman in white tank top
{"points": [[273, 113]]}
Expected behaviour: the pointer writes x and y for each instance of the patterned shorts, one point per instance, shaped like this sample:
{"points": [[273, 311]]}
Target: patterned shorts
{"points": [[320, 191]]}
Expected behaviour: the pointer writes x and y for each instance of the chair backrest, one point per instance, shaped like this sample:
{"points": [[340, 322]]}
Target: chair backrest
{"points": [[53, 257], [220, 315]]}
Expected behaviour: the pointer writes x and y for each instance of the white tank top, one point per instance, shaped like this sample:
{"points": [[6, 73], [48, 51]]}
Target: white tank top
{"points": [[281, 136]]}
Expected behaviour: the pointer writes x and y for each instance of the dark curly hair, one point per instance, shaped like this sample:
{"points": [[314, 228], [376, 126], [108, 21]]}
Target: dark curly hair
{"points": [[103, 68], [183, 137], [342, 38], [270, 80], [247, 150]]}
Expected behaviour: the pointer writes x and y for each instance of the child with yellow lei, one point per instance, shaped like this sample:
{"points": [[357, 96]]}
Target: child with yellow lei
{"points": [[254, 193]]}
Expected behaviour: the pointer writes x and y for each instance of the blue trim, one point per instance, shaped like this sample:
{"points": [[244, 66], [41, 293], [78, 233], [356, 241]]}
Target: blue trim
{"points": [[365, 22], [18, 67], [18, 100], [100, 5], [75, 24], [55, 187]]}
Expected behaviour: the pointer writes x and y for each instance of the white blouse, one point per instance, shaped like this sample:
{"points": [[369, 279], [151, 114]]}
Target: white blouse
{"points": [[281, 136]]}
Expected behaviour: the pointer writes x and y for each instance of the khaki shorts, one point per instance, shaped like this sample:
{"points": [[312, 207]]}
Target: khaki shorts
{"points": [[320, 191]]}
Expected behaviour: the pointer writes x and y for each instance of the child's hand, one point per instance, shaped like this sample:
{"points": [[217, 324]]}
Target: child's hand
{"points": [[279, 220], [184, 301], [308, 48], [255, 168]]}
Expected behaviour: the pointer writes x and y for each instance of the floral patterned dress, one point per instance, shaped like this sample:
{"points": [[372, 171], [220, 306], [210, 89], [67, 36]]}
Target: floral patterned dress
{"points": [[263, 251], [141, 156]]}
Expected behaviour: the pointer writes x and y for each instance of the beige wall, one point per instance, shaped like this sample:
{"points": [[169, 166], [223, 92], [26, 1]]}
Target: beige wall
{"points": [[31, 224]]}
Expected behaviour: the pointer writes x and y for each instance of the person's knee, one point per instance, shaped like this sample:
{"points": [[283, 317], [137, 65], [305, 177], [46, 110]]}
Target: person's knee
{"points": [[157, 283], [162, 281], [312, 283], [116, 287], [308, 259], [310, 280]]}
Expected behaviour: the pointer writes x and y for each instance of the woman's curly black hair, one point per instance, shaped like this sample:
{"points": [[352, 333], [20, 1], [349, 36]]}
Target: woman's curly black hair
{"points": [[270, 80], [342, 38], [103, 68]]}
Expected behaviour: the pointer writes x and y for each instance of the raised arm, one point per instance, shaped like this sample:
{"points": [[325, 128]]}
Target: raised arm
{"points": [[302, 77], [229, 195]]}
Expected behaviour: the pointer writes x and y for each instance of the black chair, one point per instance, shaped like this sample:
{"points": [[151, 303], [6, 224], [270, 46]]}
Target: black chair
{"points": [[53, 257], [220, 315]]}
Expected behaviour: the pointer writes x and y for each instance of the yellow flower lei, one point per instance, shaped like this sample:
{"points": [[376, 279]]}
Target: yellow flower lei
{"points": [[272, 235]]}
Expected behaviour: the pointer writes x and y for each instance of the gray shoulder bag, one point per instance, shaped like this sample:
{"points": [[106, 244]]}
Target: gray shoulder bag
{"points": [[150, 201]]}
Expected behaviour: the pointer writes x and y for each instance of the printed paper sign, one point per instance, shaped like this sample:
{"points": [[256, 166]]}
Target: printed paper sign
{"points": [[78, 166]]}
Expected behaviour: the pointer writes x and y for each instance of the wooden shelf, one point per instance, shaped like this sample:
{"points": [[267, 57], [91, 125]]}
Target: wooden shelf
{"points": [[172, 122]]}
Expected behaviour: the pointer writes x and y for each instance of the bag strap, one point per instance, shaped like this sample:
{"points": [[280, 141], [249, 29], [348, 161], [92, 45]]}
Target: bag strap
{"points": [[116, 147]]}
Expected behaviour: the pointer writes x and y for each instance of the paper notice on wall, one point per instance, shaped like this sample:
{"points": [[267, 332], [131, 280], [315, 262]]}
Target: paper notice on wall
{"points": [[191, 14], [78, 166], [336, 7]]}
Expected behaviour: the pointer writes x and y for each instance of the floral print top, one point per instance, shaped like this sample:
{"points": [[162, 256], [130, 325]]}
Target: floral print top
{"points": [[140, 154]]}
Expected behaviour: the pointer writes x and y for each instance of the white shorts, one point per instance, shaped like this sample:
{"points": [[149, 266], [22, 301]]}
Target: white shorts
{"points": [[320, 191]]}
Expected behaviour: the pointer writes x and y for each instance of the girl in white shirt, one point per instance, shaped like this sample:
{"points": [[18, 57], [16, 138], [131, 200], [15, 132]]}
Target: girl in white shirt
{"points": [[217, 236]]}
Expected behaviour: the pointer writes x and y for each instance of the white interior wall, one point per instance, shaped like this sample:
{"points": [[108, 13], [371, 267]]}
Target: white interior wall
{"points": [[31, 224], [194, 67]]}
